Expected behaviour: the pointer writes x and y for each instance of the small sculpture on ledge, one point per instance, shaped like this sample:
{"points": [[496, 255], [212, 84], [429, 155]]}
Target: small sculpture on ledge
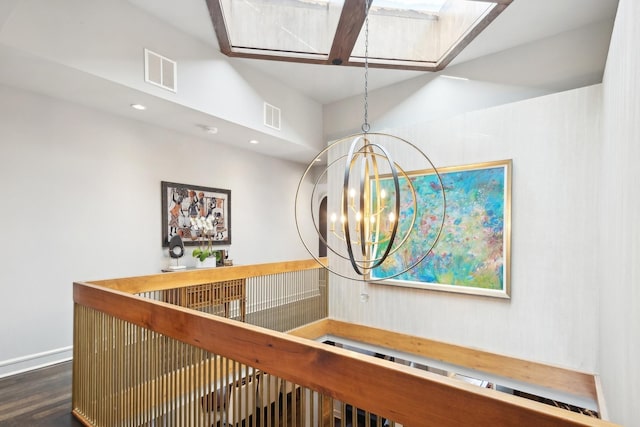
{"points": [[176, 251]]}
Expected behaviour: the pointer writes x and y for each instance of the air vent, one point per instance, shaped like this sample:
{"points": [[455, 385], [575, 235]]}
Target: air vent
{"points": [[160, 71], [271, 116]]}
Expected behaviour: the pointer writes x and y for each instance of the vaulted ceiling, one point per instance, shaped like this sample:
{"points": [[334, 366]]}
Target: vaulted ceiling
{"points": [[549, 45], [554, 44]]}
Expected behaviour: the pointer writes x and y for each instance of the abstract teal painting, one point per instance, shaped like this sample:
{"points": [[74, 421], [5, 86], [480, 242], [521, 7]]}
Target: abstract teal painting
{"points": [[472, 254]]}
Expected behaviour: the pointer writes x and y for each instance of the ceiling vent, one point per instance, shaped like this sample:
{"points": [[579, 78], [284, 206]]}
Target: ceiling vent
{"points": [[271, 116], [160, 71]]}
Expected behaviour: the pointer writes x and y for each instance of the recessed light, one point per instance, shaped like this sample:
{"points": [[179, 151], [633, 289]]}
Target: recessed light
{"points": [[254, 141], [454, 77], [211, 129], [138, 107]]}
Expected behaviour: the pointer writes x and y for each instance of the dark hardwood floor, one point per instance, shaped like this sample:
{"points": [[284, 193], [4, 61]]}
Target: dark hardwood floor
{"points": [[41, 397]]}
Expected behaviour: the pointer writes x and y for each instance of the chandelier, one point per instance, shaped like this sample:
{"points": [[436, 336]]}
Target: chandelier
{"points": [[376, 219]]}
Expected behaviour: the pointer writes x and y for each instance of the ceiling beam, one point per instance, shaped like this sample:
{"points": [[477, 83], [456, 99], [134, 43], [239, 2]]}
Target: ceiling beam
{"points": [[500, 6], [219, 26], [354, 13]]}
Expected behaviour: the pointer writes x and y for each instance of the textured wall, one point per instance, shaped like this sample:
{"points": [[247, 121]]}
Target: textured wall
{"points": [[619, 248], [552, 315]]}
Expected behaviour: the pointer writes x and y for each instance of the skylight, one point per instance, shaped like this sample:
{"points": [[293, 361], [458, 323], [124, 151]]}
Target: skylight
{"points": [[425, 6], [407, 34]]}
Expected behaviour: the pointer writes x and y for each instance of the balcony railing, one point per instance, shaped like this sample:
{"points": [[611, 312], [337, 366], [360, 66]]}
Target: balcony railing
{"points": [[168, 350]]}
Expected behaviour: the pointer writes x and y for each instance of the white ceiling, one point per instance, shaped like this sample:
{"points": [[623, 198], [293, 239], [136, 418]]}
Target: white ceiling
{"points": [[551, 45], [522, 24]]}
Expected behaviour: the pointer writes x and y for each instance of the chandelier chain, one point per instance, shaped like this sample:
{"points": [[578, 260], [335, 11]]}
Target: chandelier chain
{"points": [[365, 125]]}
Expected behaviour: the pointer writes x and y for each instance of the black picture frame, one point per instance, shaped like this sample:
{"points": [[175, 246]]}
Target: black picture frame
{"points": [[181, 202]]}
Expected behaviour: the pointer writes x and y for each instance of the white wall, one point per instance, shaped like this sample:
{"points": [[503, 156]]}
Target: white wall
{"points": [[619, 243], [552, 316], [428, 97], [106, 40], [81, 201]]}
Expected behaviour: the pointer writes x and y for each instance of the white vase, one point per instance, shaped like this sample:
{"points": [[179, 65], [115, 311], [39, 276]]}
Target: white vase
{"points": [[209, 262]]}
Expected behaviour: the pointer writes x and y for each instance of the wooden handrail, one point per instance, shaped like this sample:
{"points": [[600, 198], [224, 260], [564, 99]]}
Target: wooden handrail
{"points": [[406, 395], [553, 377], [156, 282]]}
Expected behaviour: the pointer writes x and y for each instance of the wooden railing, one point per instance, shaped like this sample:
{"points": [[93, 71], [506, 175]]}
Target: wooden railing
{"points": [[144, 361], [130, 373], [450, 360], [279, 296]]}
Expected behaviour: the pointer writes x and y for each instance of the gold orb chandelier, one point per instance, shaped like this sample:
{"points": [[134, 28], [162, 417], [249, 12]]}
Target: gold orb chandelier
{"points": [[377, 222]]}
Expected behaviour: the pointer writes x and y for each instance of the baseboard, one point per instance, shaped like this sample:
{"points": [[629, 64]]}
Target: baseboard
{"points": [[34, 361]]}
